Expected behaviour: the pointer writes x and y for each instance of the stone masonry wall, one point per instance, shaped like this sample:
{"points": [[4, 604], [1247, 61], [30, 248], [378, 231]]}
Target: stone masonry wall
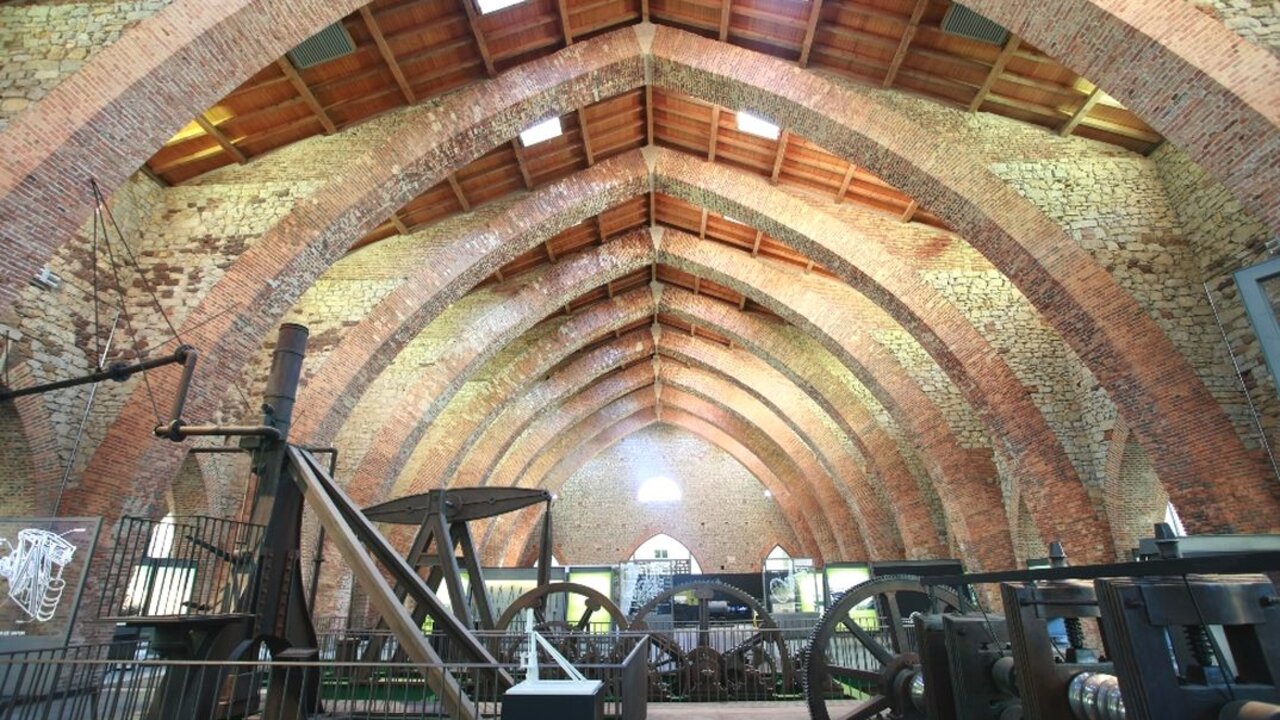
{"points": [[724, 517], [1257, 21]]}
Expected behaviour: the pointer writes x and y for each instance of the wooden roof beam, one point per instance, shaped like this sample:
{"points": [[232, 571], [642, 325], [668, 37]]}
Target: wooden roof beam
{"points": [[1081, 113], [524, 169], [457, 192], [473, 20], [697, 284], [1010, 47], [726, 12], [810, 31], [742, 304], [755, 247], [910, 212], [212, 131], [715, 133], [400, 226], [308, 97], [563, 6], [702, 226], [644, 10], [908, 34], [648, 113], [846, 182], [779, 156], [586, 137], [388, 57]]}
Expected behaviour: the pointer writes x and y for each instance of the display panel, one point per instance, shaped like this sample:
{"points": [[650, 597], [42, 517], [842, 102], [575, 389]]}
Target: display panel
{"points": [[43, 564]]}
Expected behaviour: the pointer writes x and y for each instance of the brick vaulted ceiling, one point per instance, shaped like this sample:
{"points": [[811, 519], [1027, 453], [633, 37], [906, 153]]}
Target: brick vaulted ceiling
{"points": [[654, 258]]}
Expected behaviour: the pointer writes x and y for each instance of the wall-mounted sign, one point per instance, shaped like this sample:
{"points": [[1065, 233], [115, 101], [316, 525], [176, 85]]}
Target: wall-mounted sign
{"points": [[43, 565]]}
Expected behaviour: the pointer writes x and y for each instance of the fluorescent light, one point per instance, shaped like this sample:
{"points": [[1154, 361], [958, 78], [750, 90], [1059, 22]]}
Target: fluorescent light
{"points": [[541, 132], [488, 6], [755, 125]]}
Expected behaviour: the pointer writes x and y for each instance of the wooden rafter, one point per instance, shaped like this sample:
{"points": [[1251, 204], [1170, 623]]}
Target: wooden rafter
{"points": [[702, 225], [524, 169], [726, 12], [473, 20], [755, 247], [300, 87], [910, 212], [808, 267], [1010, 47], [644, 10], [697, 284], [212, 131], [457, 192], [779, 156], [1081, 113], [715, 133], [586, 138], [402, 228], [648, 112], [846, 182], [742, 304], [566, 28], [908, 34], [810, 32], [551, 255], [388, 57]]}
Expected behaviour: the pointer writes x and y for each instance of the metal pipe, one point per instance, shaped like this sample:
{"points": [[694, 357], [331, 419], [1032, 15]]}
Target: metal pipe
{"points": [[177, 431], [184, 384], [282, 381], [118, 373]]}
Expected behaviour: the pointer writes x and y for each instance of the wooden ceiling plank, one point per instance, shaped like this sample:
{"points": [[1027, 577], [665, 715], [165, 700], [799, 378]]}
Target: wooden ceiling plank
{"points": [[457, 192], [779, 156], [586, 138], [308, 97], [1079, 115], [726, 12], [371, 23], [715, 133], [473, 20], [810, 31], [524, 168], [844, 184], [563, 7], [1010, 47], [212, 131], [908, 34]]}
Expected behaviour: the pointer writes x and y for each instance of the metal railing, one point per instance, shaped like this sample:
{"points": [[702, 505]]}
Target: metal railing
{"points": [[180, 567]]}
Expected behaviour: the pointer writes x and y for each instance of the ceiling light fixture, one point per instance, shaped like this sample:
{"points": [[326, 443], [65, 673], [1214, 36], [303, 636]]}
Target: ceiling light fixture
{"points": [[758, 126], [541, 132]]}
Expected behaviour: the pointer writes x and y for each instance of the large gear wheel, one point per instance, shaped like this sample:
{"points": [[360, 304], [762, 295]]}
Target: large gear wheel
{"points": [[856, 672]]}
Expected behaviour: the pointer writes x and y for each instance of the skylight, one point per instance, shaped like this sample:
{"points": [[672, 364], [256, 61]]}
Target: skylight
{"points": [[659, 489], [488, 6], [541, 132], [756, 125]]}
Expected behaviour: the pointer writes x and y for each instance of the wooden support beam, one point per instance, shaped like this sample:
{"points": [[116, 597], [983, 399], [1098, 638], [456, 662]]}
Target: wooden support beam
{"points": [[779, 155], [400, 226], [524, 170], [473, 19], [742, 304], [563, 6], [305, 93], [1010, 47], [653, 277], [755, 247], [212, 131], [457, 192], [715, 133], [846, 182], [910, 212], [810, 31], [726, 12], [648, 112], [388, 57], [702, 226], [697, 284], [808, 268], [498, 274], [586, 137], [1081, 113], [653, 209], [551, 255], [644, 10], [608, 289], [604, 234], [908, 34]]}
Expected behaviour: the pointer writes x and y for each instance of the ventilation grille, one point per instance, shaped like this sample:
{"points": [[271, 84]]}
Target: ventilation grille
{"points": [[330, 43], [964, 22]]}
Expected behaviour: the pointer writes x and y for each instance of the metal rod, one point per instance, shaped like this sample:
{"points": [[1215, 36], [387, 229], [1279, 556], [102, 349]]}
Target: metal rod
{"points": [[84, 419], [119, 373], [176, 431], [1237, 564]]}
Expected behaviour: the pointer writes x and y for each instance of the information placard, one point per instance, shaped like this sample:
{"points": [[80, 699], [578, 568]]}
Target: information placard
{"points": [[43, 566]]}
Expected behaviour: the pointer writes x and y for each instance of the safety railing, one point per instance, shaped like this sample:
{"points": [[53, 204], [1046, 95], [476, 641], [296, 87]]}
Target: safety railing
{"points": [[180, 567]]}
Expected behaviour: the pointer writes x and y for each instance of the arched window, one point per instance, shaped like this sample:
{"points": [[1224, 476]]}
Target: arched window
{"points": [[665, 547], [659, 489]]}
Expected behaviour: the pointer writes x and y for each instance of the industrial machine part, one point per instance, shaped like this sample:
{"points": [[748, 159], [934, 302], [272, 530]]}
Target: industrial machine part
{"points": [[535, 600], [755, 667], [1183, 647], [862, 659]]}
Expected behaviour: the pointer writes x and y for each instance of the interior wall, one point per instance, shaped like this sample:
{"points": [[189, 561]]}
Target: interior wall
{"points": [[724, 517]]}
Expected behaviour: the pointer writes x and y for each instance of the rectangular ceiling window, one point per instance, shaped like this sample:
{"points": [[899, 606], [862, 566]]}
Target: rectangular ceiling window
{"points": [[541, 132], [758, 126], [488, 6]]}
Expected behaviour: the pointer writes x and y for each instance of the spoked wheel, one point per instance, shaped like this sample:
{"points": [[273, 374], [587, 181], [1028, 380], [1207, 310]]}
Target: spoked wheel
{"points": [[860, 658], [573, 640]]}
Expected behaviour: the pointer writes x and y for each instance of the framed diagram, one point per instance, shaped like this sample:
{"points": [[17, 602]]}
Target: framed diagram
{"points": [[43, 566]]}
